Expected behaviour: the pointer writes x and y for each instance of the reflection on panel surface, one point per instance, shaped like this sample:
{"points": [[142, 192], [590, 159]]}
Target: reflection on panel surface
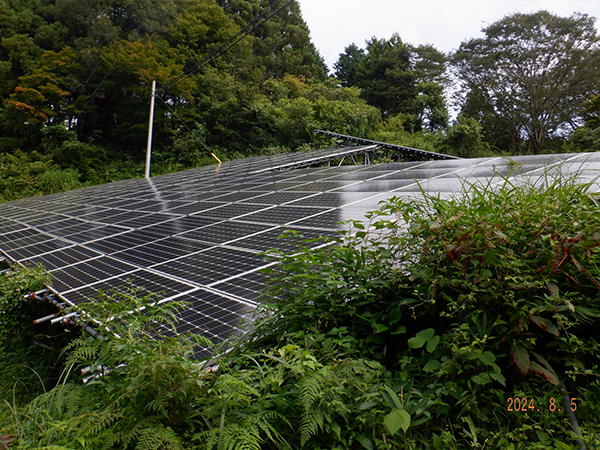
{"points": [[197, 235]]}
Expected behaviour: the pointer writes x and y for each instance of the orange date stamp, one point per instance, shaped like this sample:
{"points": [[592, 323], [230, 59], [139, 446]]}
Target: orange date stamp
{"points": [[525, 404]]}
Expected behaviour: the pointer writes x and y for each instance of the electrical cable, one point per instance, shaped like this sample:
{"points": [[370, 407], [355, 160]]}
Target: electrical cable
{"points": [[230, 43], [218, 52], [244, 32]]}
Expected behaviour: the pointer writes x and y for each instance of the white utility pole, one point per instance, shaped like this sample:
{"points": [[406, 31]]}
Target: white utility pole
{"points": [[150, 122]]}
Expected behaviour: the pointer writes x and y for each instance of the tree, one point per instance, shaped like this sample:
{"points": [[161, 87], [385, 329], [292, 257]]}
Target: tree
{"points": [[399, 79], [528, 77], [282, 44], [591, 112]]}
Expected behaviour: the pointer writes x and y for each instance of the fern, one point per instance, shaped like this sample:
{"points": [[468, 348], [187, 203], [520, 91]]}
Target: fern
{"points": [[158, 438]]}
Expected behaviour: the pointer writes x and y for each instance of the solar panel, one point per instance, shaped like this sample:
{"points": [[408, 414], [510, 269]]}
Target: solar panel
{"points": [[196, 235]]}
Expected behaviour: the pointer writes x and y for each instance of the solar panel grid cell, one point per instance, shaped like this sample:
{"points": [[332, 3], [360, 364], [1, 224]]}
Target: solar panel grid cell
{"points": [[37, 248], [196, 234], [63, 257], [224, 232]]}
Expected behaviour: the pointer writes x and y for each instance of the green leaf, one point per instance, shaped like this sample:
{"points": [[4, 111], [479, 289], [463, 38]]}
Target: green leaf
{"points": [[482, 378], [366, 405], [400, 330], [365, 442], [432, 365], [397, 419], [391, 398], [433, 343], [416, 342], [380, 328], [488, 358], [337, 430], [553, 288], [520, 358], [589, 243], [422, 336], [499, 378], [546, 371], [543, 437], [395, 315]]}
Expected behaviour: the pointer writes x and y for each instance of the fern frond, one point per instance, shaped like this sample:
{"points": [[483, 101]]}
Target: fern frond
{"points": [[158, 438]]}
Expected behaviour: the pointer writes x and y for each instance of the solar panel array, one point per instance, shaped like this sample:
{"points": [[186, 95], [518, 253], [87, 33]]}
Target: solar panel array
{"points": [[196, 235]]}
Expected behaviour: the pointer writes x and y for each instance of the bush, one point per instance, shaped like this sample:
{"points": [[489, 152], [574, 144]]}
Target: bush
{"points": [[22, 360], [58, 180], [470, 303], [20, 174]]}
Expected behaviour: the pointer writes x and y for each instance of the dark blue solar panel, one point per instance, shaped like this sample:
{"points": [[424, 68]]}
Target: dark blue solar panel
{"points": [[196, 235]]}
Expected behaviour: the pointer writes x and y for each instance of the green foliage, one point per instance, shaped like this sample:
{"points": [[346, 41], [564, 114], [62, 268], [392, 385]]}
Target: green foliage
{"points": [[59, 180], [147, 391], [22, 362], [464, 138], [468, 302], [393, 130], [26, 175], [398, 79], [285, 35], [527, 79], [87, 68], [20, 173], [591, 112]]}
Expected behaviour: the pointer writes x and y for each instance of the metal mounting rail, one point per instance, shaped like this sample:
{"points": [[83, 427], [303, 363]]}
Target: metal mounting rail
{"points": [[363, 150], [412, 153]]}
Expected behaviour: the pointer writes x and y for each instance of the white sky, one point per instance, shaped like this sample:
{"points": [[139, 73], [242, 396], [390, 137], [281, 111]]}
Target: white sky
{"points": [[335, 24]]}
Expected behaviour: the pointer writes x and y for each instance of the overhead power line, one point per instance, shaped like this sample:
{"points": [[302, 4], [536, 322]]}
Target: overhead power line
{"points": [[249, 28]]}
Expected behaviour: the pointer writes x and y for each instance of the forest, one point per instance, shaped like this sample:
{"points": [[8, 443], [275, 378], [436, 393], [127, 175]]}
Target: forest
{"points": [[241, 77], [473, 328]]}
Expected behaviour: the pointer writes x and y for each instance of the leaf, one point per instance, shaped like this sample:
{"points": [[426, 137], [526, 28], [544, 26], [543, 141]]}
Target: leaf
{"points": [[400, 330], [365, 442], [416, 342], [432, 365], [391, 398], [422, 336], [545, 324], [499, 378], [550, 376], [397, 419], [548, 370], [482, 378], [433, 343], [488, 358], [366, 405], [395, 315], [589, 243], [520, 358], [337, 430], [543, 437], [553, 288], [380, 328]]}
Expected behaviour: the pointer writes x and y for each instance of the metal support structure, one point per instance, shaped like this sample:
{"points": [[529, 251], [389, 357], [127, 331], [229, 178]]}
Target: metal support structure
{"points": [[321, 159], [59, 317], [406, 152], [150, 123]]}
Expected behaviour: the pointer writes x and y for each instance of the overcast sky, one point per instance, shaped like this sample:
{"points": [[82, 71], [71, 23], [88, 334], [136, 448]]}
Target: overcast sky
{"points": [[335, 24]]}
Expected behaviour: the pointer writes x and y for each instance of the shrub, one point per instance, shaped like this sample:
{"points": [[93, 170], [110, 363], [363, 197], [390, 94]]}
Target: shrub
{"points": [[22, 361], [469, 302]]}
